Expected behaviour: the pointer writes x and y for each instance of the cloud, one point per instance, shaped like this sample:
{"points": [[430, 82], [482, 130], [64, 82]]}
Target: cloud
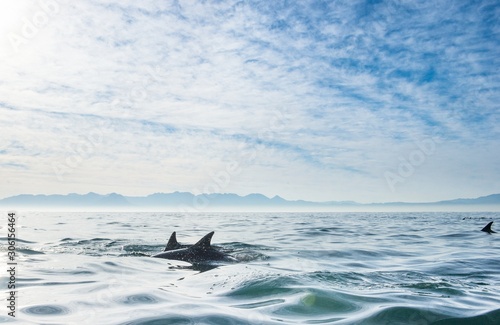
{"points": [[314, 100]]}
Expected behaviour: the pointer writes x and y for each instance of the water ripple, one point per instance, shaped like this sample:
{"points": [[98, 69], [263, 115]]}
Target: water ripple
{"points": [[294, 269], [139, 299], [46, 310]]}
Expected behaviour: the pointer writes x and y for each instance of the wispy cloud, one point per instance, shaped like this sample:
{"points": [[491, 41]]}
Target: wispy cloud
{"points": [[314, 100]]}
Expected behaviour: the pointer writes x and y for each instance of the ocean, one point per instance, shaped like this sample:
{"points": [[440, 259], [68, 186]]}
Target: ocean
{"points": [[293, 268]]}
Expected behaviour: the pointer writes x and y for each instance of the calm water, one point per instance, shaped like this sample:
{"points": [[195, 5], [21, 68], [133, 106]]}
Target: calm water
{"points": [[338, 268]]}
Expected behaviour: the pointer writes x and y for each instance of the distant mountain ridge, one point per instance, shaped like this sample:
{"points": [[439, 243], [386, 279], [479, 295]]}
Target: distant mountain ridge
{"points": [[187, 199]]}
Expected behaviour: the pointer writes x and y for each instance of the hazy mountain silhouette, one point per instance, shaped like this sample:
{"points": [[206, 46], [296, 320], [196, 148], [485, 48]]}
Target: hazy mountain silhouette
{"points": [[70, 200], [489, 199], [187, 199], [493, 199]]}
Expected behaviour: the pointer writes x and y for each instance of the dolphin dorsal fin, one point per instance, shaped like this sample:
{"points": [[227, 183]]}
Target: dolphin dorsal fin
{"points": [[172, 243], [487, 228], [205, 241]]}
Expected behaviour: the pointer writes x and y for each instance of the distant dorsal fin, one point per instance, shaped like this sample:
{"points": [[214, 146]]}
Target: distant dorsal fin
{"points": [[205, 241], [172, 243], [487, 228]]}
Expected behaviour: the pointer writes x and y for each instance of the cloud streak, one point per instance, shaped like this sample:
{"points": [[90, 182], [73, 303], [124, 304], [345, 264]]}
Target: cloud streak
{"points": [[316, 100]]}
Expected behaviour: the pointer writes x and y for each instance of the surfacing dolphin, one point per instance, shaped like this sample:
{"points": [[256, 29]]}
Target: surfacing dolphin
{"points": [[201, 252], [487, 228], [174, 244]]}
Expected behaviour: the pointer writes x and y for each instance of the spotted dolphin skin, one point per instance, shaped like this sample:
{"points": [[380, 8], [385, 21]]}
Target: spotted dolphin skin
{"points": [[487, 228], [201, 252], [173, 244]]}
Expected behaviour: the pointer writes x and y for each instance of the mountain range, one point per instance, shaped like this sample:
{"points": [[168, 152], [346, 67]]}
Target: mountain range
{"points": [[188, 201]]}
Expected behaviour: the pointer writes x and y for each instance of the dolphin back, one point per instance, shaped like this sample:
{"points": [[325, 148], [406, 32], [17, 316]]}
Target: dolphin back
{"points": [[202, 251], [204, 243], [487, 228], [172, 243]]}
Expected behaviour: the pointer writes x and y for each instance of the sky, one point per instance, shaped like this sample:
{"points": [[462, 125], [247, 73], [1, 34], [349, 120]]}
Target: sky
{"points": [[369, 101]]}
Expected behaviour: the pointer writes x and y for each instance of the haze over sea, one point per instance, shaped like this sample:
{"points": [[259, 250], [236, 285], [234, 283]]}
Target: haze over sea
{"points": [[295, 268]]}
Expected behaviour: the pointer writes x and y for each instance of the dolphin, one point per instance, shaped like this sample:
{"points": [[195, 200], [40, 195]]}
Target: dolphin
{"points": [[173, 244], [200, 252], [487, 228]]}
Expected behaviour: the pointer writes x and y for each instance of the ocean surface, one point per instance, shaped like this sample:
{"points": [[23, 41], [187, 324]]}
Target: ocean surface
{"points": [[293, 268]]}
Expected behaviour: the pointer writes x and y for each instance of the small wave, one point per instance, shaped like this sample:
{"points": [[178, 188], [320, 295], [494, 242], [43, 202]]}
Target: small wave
{"points": [[136, 299], [134, 254], [141, 250], [258, 304], [101, 247], [415, 315], [266, 287], [253, 318], [249, 256], [489, 318], [29, 251], [318, 302], [403, 315], [18, 240], [65, 283], [440, 289]]}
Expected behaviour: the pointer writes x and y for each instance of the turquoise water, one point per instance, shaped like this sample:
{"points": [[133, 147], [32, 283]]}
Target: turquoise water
{"points": [[337, 268]]}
